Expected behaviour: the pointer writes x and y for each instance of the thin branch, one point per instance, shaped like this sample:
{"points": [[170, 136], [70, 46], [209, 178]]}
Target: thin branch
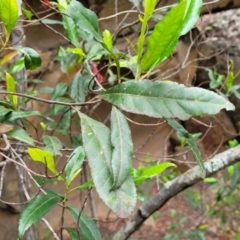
{"points": [[171, 188], [50, 101]]}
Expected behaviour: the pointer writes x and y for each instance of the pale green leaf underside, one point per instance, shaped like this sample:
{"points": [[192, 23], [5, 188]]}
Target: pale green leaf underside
{"points": [[96, 142], [35, 210], [163, 99], [121, 141]]}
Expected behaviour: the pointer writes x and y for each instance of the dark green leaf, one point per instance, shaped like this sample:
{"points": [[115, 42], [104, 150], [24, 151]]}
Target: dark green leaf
{"points": [[161, 43], [59, 90], [21, 135], [71, 30], [97, 145], [84, 18], [88, 228], [35, 210], [183, 133], [76, 89], [74, 164], [9, 14], [165, 99], [122, 147], [53, 145], [16, 115], [32, 59], [72, 233]]}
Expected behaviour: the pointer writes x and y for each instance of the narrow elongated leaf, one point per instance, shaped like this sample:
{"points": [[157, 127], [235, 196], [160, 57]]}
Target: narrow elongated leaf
{"points": [[76, 89], [21, 135], [9, 14], [72, 233], [59, 90], [71, 30], [44, 157], [11, 87], [107, 39], [16, 115], [192, 13], [183, 133], [32, 59], [122, 147], [161, 43], [88, 228], [96, 142], [35, 210], [165, 99], [84, 18], [143, 174], [74, 164], [84, 186], [53, 145]]}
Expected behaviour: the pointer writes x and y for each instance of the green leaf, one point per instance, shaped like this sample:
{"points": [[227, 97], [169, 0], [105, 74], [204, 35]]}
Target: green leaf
{"points": [[35, 210], [16, 115], [84, 18], [53, 145], [84, 186], [161, 43], [21, 135], [74, 164], [11, 87], [32, 59], [97, 145], [72, 233], [28, 14], [59, 90], [88, 228], [183, 133], [44, 157], [192, 13], [165, 99], [9, 14], [71, 30], [143, 174], [122, 147], [76, 89], [107, 39]]}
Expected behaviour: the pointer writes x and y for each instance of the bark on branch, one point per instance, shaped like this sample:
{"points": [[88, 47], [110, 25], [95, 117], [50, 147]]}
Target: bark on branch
{"points": [[171, 188]]}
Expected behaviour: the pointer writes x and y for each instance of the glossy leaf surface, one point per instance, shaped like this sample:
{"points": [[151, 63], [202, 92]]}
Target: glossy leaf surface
{"points": [[165, 99], [32, 59], [88, 228], [162, 41], [74, 164], [35, 210]]}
